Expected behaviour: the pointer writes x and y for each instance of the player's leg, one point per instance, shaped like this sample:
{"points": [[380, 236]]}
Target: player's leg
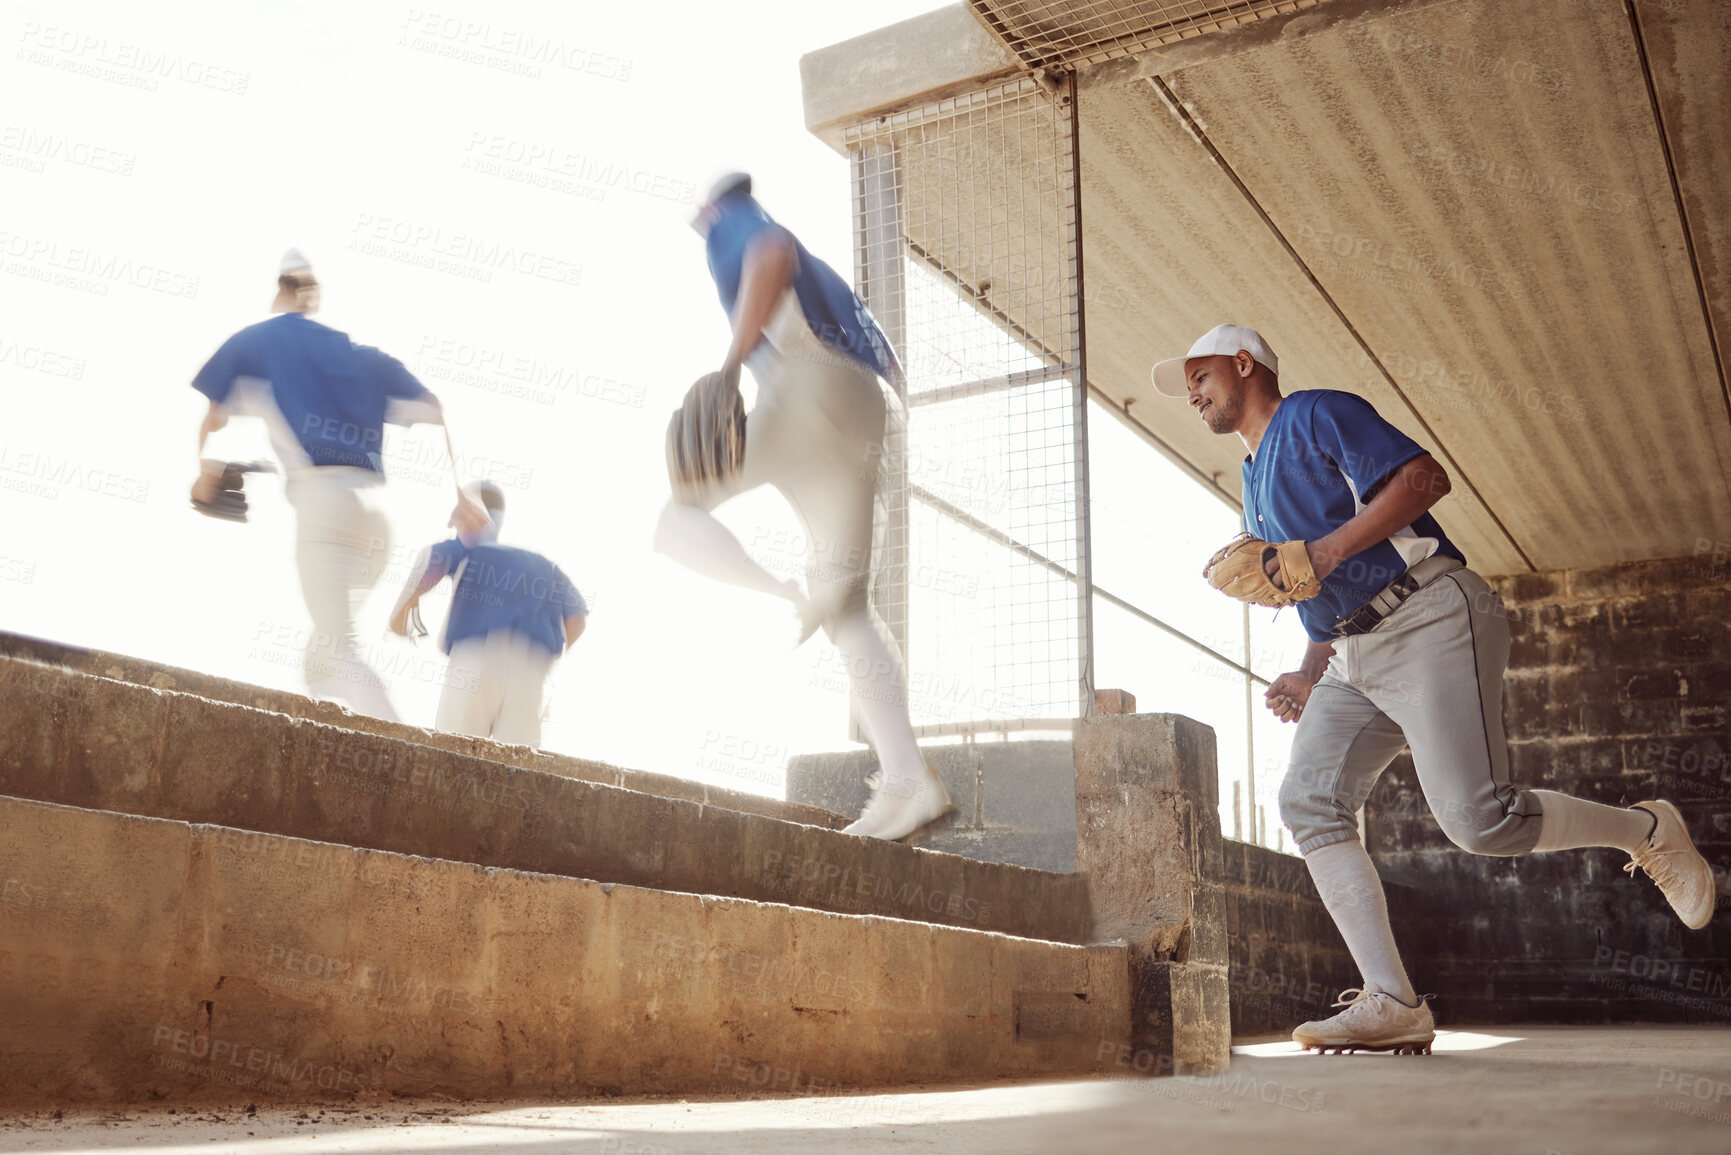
{"points": [[340, 544], [836, 516], [469, 702], [1343, 744], [526, 666], [690, 534], [1436, 666], [1341, 747], [831, 484]]}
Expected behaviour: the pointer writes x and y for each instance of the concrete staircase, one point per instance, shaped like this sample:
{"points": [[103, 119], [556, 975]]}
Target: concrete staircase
{"points": [[212, 891]]}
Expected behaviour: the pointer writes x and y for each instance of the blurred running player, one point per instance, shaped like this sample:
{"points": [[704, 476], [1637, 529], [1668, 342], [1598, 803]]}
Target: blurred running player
{"points": [[815, 433], [324, 401], [513, 613]]}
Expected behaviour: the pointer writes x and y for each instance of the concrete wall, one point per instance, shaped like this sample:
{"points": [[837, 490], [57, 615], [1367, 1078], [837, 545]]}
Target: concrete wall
{"points": [[1015, 801], [143, 672], [86, 741], [1286, 961], [1619, 690], [146, 959], [1018, 803]]}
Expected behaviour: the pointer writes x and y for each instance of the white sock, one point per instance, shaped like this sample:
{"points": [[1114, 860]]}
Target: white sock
{"points": [[1568, 822], [1353, 894], [878, 691]]}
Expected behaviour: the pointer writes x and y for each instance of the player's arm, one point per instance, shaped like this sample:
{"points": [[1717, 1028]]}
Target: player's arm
{"points": [[769, 267], [426, 573], [207, 486], [1408, 493], [575, 609], [408, 402], [215, 418], [1288, 694], [470, 518], [215, 380]]}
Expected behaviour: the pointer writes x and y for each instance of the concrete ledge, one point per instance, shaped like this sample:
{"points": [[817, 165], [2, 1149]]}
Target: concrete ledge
{"points": [[138, 671], [949, 51], [930, 56], [1015, 801], [147, 959], [1148, 837], [81, 740]]}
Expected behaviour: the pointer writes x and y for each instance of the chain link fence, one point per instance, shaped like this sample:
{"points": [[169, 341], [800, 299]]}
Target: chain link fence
{"points": [[968, 251]]}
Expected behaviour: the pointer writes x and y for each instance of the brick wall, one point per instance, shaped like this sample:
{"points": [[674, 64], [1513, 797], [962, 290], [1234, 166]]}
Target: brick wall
{"points": [[1619, 690], [1287, 963]]}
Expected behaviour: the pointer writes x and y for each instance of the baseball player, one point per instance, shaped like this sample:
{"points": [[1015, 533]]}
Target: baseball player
{"points": [[513, 614], [324, 401], [1407, 648], [816, 434]]}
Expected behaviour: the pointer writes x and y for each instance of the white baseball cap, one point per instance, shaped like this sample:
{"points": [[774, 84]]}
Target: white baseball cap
{"points": [[294, 262], [1220, 341]]}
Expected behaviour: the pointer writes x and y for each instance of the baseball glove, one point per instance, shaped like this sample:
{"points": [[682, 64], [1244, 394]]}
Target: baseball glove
{"points": [[1236, 570], [706, 436], [229, 504]]}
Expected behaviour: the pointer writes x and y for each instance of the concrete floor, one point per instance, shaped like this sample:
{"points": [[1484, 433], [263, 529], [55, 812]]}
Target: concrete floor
{"points": [[1543, 1090]]}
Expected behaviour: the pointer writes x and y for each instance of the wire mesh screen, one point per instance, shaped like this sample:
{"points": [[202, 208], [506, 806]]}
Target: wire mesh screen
{"points": [[1047, 33], [967, 250]]}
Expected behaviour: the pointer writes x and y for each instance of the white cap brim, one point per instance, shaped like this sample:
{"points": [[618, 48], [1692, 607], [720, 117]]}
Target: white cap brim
{"points": [[1169, 377]]}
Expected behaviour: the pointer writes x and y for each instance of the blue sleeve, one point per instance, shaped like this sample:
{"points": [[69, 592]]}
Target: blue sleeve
{"points": [[407, 401], [444, 558], [234, 359], [391, 374], [575, 606], [1356, 438], [730, 240]]}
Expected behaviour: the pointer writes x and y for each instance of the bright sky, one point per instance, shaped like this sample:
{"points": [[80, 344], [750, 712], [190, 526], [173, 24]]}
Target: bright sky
{"points": [[156, 160]]}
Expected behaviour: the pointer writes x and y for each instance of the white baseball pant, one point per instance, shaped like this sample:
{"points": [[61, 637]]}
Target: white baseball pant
{"points": [[494, 687], [342, 542]]}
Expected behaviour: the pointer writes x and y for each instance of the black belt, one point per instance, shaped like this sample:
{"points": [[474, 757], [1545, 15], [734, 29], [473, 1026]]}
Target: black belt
{"points": [[1371, 614]]}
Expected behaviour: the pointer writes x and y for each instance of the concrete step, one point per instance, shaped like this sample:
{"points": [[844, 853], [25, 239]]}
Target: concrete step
{"points": [[139, 671], [82, 740], [148, 959]]}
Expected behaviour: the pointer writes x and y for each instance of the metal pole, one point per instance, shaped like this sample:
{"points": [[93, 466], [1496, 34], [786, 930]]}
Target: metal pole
{"points": [[1079, 409]]}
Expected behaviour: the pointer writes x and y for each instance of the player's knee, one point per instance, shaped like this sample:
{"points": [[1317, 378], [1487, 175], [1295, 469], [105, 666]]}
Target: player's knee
{"points": [[1303, 810], [1490, 833], [1469, 839]]}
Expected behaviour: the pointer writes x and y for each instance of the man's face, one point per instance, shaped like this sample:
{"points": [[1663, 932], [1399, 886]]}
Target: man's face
{"points": [[1216, 390]]}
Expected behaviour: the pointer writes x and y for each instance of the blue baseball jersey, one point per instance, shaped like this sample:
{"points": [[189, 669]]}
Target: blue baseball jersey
{"points": [[1323, 457], [324, 399], [838, 317], [503, 588]]}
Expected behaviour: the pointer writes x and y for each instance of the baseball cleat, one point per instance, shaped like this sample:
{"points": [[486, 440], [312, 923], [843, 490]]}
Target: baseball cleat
{"points": [[902, 806], [1351, 1048], [1372, 1021], [1670, 859]]}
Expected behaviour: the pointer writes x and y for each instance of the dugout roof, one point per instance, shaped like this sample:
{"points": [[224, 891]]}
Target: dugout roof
{"points": [[1506, 224]]}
